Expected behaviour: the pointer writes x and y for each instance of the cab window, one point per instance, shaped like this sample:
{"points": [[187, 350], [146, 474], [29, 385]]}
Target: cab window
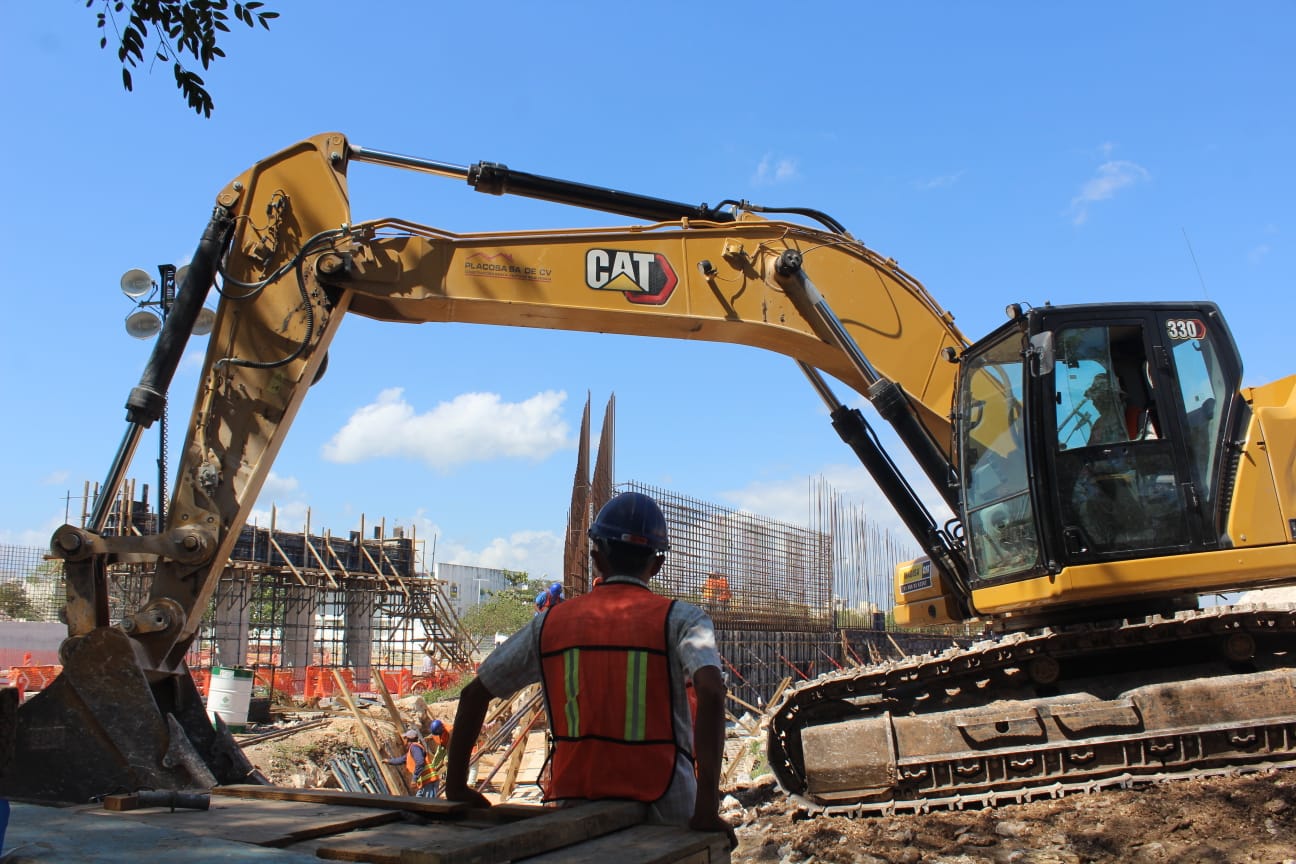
{"points": [[1000, 518], [1203, 393], [1116, 482]]}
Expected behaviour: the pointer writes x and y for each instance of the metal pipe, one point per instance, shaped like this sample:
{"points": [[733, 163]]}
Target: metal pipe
{"points": [[108, 491], [146, 401], [396, 160], [496, 179]]}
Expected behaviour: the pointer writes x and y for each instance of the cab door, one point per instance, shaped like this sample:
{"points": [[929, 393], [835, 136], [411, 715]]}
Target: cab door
{"points": [[1133, 413]]}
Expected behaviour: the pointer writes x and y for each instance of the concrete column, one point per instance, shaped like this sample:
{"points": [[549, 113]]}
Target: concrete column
{"points": [[232, 611], [358, 639], [301, 602]]}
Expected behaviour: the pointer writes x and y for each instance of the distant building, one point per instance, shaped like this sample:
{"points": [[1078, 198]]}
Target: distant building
{"points": [[468, 586]]}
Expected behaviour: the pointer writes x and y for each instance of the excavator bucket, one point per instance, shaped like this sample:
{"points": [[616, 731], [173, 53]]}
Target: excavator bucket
{"points": [[101, 728]]}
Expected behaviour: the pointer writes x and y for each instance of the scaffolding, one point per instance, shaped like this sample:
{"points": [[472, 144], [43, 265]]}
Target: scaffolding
{"points": [[787, 601], [748, 572], [290, 606]]}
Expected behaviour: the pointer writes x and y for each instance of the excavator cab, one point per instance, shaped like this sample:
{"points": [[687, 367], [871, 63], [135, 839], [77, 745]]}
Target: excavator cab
{"points": [[1095, 435]]}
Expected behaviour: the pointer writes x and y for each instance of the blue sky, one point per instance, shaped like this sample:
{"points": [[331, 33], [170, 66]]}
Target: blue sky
{"points": [[1006, 152]]}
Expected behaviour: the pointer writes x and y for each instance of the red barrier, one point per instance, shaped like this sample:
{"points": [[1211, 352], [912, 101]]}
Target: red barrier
{"points": [[441, 679], [319, 681], [34, 677], [202, 679], [277, 679], [399, 681]]}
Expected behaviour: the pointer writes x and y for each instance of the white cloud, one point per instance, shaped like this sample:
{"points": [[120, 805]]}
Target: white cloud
{"points": [[38, 538], [54, 478], [193, 358], [941, 182], [774, 169], [1110, 178], [785, 500], [288, 515], [276, 486], [1258, 253], [789, 500], [285, 496], [472, 427], [539, 553]]}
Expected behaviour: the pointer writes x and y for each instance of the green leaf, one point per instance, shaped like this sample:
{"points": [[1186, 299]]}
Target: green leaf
{"points": [[126, 78]]}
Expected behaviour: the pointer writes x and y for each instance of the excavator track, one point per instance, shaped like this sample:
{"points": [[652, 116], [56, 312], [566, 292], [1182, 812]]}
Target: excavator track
{"points": [[1043, 714]]}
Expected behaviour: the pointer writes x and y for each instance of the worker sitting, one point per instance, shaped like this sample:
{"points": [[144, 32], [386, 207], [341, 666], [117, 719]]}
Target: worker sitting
{"points": [[613, 665], [423, 776]]}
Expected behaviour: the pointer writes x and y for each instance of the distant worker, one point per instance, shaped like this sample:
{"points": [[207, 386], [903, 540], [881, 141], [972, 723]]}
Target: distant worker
{"points": [[415, 760], [591, 655], [550, 597], [439, 735], [715, 590]]}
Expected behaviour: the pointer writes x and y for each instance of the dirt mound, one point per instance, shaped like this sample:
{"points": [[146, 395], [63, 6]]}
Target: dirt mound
{"points": [[1229, 819], [1234, 819]]}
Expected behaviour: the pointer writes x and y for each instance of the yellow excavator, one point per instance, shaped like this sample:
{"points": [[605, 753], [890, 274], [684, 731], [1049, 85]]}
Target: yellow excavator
{"points": [[1104, 463]]}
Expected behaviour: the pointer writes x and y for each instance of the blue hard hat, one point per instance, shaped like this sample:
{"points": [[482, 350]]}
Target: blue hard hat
{"points": [[437, 727], [634, 518], [556, 590]]}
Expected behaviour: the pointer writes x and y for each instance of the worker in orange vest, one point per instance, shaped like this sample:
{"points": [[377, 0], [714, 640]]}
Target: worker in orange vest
{"points": [[715, 590], [550, 597], [424, 777], [614, 664], [439, 739]]}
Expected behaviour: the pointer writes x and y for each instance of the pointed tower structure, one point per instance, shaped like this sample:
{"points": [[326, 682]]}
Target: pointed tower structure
{"points": [[576, 564]]}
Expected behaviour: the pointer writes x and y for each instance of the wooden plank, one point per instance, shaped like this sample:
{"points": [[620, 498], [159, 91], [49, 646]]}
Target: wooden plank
{"points": [[382, 847], [558, 828], [261, 823], [121, 803], [375, 675], [778, 691], [644, 844], [752, 708], [394, 780], [334, 825], [336, 797], [68, 834]]}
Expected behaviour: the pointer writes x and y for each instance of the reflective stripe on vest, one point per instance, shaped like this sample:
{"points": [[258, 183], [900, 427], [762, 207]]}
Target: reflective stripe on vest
{"points": [[607, 684], [422, 776]]}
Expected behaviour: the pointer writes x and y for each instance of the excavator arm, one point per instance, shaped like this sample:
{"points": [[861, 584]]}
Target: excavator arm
{"points": [[292, 264], [1086, 546], [296, 264]]}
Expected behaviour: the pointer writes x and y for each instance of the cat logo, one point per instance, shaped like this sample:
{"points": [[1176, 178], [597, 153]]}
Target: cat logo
{"points": [[643, 277]]}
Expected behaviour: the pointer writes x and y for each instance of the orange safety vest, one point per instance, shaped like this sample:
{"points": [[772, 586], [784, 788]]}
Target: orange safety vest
{"points": [[422, 776], [607, 687], [716, 588]]}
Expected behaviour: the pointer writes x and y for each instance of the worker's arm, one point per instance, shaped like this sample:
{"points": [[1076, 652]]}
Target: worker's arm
{"points": [[708, 745], [473, 702]]}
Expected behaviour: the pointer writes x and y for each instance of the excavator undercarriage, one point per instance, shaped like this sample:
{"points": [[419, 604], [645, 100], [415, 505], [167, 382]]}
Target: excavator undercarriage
{"points": [[1044, 714]]}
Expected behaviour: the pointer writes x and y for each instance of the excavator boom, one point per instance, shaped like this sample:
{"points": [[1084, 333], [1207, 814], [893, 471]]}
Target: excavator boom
{"points": [[1001, 439]]}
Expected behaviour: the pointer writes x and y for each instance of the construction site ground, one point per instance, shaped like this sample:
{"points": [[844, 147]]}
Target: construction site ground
{"points": [[1227, 818]]}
